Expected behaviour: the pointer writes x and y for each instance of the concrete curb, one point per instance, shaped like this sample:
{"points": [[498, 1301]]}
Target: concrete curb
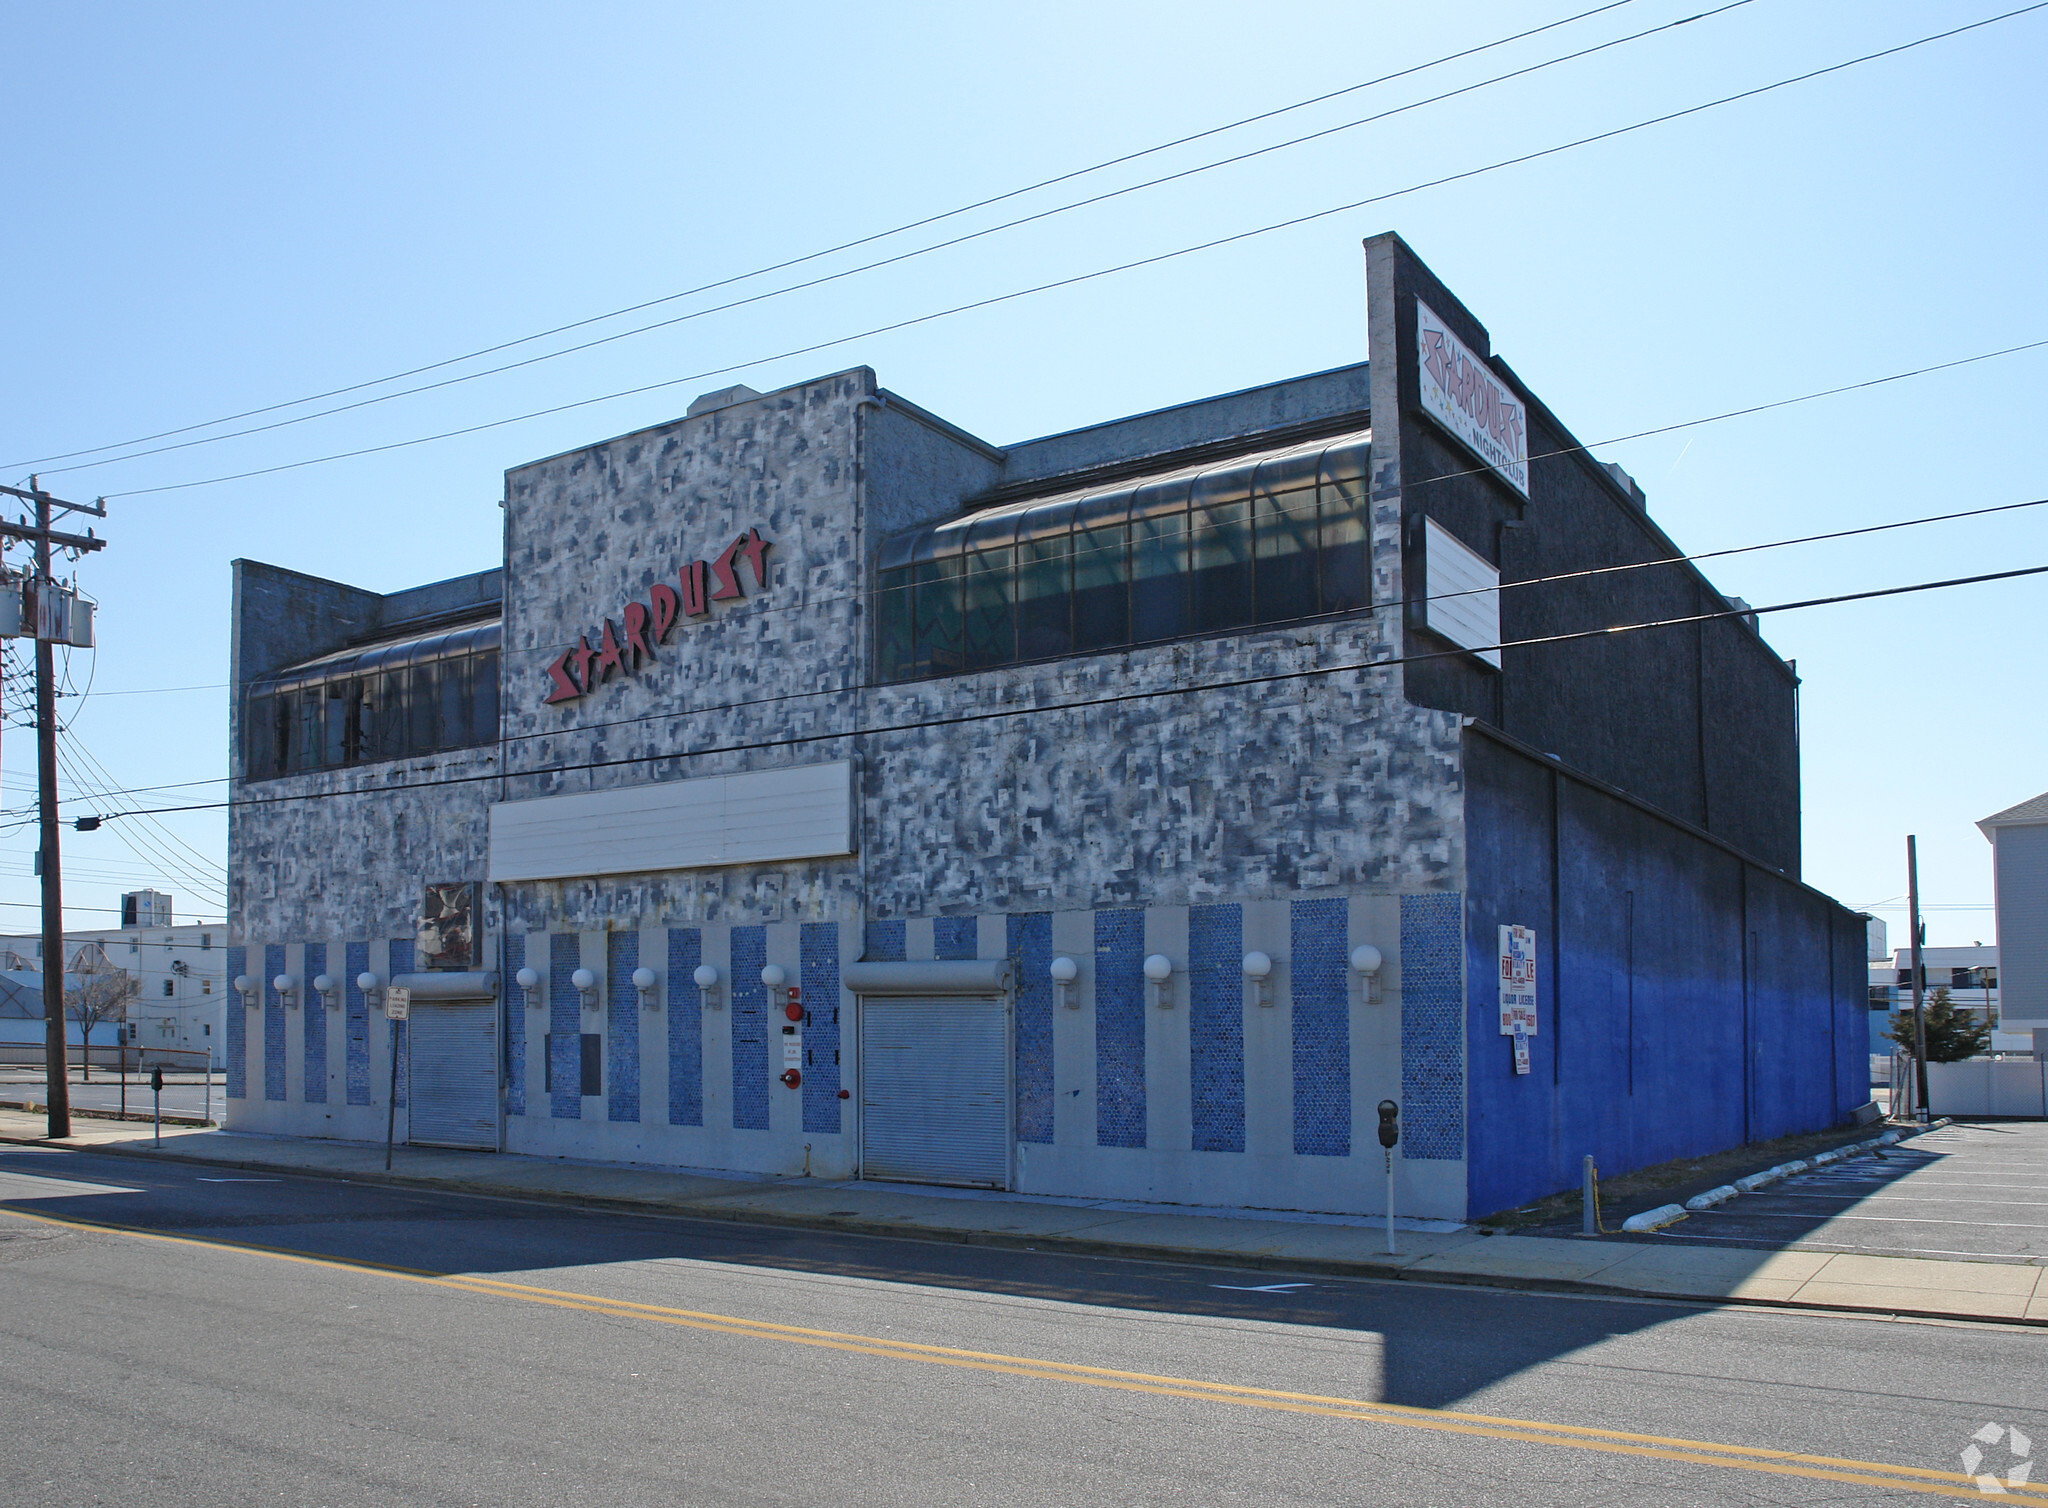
{"points": [[29, 1107], [1663, 1214], [1360, 1268]]}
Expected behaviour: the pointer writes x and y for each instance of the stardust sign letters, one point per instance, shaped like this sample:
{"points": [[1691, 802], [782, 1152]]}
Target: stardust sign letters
{"points": [[580, 670], [1461, 393]]}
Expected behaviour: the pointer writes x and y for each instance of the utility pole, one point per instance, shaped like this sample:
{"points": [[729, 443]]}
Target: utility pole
{"points": [[57, 1085], [1919, 1015]]}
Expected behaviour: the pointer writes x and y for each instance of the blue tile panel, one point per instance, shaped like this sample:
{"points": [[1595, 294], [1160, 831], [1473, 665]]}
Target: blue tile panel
{"points": [[1318, 952], [622, 1026], [236, 1049], [1432, 1013], [565, 1027], [273, 1023], [316, 1025], [1030, 944], [749, 1029], [401, 1038], [511, 960], [1216, 1027], [885, 942], [355, 1029], [685, 1028], [820, 969], [956, 936], [1120, 1028]]}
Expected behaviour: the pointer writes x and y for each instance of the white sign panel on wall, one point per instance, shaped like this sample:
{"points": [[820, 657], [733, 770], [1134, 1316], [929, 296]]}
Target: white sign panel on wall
{"points": [[1461, 393], [1517, 981]]}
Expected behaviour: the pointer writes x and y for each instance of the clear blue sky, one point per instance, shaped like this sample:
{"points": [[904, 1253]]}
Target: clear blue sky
{"points": [[217, 207]]}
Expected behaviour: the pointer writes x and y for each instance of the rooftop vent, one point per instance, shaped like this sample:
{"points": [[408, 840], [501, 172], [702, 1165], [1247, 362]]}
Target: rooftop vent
{"points": [[1622, 480], [725, 397]]}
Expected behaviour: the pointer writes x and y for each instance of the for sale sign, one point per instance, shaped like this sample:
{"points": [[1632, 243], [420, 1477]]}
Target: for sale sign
{"points": [[1517, 981]]}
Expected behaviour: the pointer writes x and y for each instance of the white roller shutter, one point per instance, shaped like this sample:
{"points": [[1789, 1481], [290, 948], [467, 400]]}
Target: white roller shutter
{"points": [[935, 1090], [452, 1090]]}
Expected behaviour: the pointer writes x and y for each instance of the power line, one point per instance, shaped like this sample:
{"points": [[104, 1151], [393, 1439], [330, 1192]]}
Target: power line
{"points": [[814, 603], [799, 261], [906, 256], [1079, 278], [1088, 704]]}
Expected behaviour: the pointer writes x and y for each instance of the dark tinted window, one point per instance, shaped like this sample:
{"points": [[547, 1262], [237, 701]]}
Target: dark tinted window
{"points": [[1273, 541]]}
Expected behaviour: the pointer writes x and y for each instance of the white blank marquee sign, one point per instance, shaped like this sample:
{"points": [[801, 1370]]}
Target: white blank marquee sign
{"points": [[755, 817], [1461, 393]]}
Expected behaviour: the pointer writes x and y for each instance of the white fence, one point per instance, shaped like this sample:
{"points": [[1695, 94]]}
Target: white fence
{"points": [[1987, 1086]]}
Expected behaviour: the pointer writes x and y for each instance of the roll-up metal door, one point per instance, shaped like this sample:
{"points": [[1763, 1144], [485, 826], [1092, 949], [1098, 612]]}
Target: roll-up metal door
{"points": [[452, 1090], [935, 1090]]}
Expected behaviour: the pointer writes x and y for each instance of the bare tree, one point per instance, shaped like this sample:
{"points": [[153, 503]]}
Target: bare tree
{"points": [[99, 995]]}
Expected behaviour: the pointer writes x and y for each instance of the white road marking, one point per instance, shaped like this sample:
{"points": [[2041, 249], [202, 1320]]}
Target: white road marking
{"points": [[1262, 1287]]}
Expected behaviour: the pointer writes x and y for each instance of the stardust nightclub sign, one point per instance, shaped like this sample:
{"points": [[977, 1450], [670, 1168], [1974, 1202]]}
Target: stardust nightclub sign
{"points": [[581, 669], [1461, 393]]}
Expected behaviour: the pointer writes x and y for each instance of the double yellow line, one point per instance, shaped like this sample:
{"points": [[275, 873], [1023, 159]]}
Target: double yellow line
{"points": [[1915, 1479]]}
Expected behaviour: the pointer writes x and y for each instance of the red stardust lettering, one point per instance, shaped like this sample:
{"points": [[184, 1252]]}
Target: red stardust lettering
{"points": [[722, 568], [696, 601], [666, 606], [609, 658], [565, 690], [755, 548], [581, 656], [636, 634]]}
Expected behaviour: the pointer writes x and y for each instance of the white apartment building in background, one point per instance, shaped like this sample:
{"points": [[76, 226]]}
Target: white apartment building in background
{"points": [[180, 973], [2019, 845]]}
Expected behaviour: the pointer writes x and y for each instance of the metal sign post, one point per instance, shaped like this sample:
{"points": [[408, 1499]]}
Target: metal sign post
{"points": [[397, 1008]]}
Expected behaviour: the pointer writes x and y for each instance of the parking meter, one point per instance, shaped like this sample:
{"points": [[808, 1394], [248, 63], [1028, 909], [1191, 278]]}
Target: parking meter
{"points": [[1390, 1136], [156, 1090]]}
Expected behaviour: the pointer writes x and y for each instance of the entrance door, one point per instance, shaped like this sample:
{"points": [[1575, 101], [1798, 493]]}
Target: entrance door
{"points": [[452, 1088], [935, 1090]]}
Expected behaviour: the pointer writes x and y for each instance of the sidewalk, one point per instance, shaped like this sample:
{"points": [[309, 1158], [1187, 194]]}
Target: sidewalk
{"points": [[1337, 1246]]}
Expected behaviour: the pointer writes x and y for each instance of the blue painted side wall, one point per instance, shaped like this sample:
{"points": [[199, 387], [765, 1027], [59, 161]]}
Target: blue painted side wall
{"points": [[1318, 949], [1688, 1001], [955, 936], [886, 941]]}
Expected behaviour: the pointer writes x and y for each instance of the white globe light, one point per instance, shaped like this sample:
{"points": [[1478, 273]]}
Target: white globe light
{"points": [[1257, 965], [323, 984], [1366, 959], [282, 984], [706, 976], [366, 982], [643, 979], [527, 978], [772, 976], [244, 984], [1158, 968], [1065, 970], [583, 979]]}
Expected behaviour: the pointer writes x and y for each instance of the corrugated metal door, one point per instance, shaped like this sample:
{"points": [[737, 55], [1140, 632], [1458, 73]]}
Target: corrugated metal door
{"points": [[935, 1090], [452, 1091]]}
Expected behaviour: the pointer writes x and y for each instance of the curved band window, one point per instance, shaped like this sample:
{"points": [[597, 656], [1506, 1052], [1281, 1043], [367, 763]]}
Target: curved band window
{"points": [[385, 701], [1267, 539]]}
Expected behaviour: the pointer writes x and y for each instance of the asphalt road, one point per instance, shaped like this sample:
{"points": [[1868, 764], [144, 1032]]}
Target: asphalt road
{"points": [[1972, 1189], [247, 1339], [184, 1094]]}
